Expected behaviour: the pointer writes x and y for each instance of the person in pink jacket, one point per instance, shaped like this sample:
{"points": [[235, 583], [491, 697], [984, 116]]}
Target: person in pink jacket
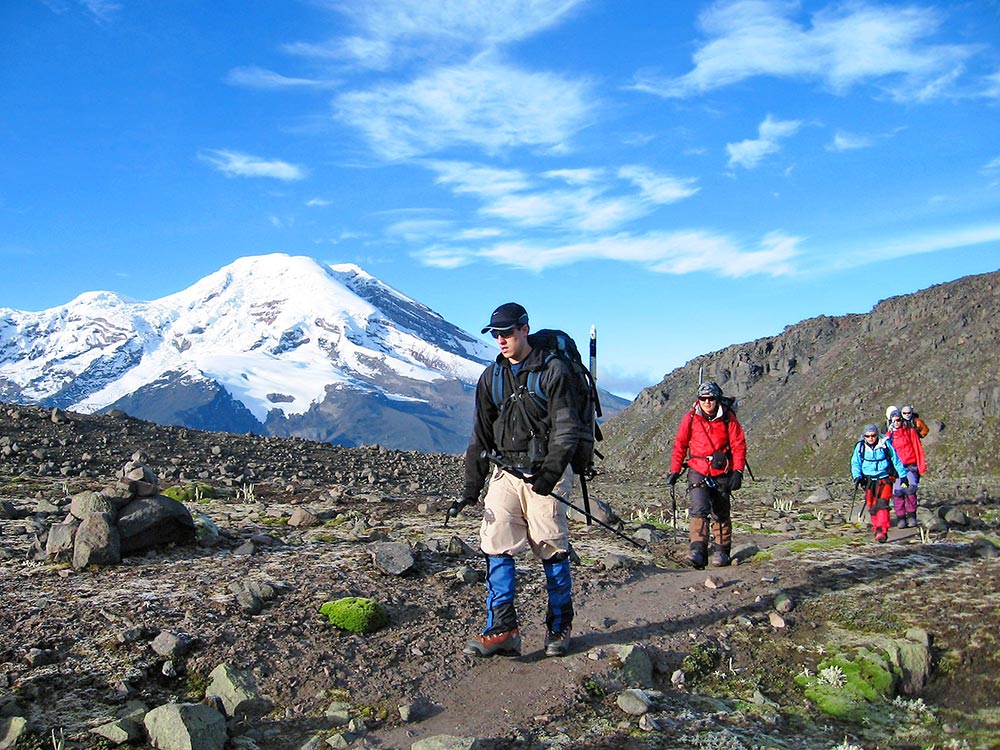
{"points": [[906, 442]]}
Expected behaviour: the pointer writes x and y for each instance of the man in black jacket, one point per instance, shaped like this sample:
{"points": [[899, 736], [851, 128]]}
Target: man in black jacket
{"points": [[538, 437]]}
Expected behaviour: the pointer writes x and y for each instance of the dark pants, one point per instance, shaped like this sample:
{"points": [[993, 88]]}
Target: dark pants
{"points": [[709, 501]]}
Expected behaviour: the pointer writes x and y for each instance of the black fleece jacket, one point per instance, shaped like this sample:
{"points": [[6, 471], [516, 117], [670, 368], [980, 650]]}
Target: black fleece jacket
{"points": [[507, 431]]}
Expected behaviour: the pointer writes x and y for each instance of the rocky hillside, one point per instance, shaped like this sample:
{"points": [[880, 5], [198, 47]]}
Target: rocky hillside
{"points": [[805, 394]]}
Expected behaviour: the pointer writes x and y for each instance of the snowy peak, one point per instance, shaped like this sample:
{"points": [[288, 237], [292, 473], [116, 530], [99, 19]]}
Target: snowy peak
{"points": [[276, 332]]}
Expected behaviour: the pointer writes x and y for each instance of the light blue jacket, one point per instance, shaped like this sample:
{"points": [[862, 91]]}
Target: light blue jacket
{"points": [[873, 462]]}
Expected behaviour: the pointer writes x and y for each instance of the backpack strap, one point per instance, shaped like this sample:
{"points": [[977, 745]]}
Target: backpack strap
{"points": [[534, 383], [496, 390]]}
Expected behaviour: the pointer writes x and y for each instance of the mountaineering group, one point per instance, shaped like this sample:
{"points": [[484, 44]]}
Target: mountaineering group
{"points": [[534, 429]]}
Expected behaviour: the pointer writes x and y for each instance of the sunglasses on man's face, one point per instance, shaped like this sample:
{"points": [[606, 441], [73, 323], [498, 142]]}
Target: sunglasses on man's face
{"points": [[871, 437], [706, 398], [506, 333]]}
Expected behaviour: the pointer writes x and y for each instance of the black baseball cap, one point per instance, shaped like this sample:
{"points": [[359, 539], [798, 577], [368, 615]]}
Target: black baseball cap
{"points": [[508, 315]]}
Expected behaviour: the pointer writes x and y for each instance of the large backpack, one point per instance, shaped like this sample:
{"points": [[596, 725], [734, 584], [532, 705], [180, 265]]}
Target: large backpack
{"points": [[556, 343]]}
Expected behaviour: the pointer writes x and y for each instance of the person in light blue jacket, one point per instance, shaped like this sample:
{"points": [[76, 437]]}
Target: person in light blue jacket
{"points": [[875, 466]]}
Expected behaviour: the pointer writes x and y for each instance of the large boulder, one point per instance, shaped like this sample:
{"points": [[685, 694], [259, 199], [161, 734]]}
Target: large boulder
{"points": [[97, 542], [148, 522]]}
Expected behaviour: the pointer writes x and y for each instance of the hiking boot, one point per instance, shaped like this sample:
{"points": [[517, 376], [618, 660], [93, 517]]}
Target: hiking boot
{"points": [[900, 523], [557, 644], [696, 557], [881, 537], [720, 557], [911, 522], [507, 643]]}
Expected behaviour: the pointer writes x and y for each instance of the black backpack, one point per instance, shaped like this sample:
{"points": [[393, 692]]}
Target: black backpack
{"points": [[556, 343]]}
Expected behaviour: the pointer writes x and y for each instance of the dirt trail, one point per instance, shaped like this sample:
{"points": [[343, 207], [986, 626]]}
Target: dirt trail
{"points": [[670, 602]]}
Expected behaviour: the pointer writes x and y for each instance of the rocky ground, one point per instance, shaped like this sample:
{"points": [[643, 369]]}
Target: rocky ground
{"points": [[77, 647]]}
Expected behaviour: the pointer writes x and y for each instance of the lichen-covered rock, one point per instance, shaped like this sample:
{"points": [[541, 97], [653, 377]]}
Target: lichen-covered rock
{"points": [[356, 614]]}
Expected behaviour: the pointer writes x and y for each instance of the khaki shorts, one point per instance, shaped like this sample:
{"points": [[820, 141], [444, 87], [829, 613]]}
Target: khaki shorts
{"points": [[515, 517]]}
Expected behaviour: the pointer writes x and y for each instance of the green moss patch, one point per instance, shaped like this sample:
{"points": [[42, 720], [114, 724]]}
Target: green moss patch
{"points": [[191, 493], [848, 687], [356, 614]]}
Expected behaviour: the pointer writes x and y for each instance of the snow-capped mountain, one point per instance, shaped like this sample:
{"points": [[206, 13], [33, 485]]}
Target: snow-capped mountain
{"points": [[273, 344]]}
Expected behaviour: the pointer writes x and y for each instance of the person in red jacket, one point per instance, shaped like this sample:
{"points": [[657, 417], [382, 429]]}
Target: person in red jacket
{"points": [[712, 445], [908, 446]]}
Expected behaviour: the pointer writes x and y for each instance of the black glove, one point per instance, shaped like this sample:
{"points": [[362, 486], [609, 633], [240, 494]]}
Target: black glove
{"points": [[859, 481], [457, 505], [904, 482], [735, 481], [543, 482], [672, 478]]}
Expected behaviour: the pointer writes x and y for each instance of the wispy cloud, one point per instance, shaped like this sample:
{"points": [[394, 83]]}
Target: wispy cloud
{"points": [[570, 200], [490, 106], [464, 177], [843, 141], [236, 164], [926, 242], [260, 78], [659, 188], [392, 32], [679, 252], [749, 153], [102, 11], [845, 45]]}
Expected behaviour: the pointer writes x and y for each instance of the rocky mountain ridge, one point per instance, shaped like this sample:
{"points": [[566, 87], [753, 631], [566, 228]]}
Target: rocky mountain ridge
{"points": [[805, 394]]}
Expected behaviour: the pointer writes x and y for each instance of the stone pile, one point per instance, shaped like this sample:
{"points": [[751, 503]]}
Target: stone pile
{"points": [[128, 517]]}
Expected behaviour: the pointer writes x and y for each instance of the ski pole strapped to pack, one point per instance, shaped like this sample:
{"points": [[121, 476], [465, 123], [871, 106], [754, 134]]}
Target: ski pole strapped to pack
{"points": [[556, 343]]}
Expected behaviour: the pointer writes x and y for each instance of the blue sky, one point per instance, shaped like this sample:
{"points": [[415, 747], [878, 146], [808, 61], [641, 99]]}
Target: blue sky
{"points": [[683, 175]]}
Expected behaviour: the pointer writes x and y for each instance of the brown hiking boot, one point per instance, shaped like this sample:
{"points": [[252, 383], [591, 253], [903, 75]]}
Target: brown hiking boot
{"points": [[557, 644], [507, 643]]}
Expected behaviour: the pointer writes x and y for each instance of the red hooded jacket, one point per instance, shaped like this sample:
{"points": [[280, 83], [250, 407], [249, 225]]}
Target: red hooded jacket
{"points": [[698, 437], [909, 447]]}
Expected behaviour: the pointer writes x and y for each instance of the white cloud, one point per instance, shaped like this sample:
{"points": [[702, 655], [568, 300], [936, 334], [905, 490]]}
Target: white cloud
{"points": [[578, 176], [750, 153], [318, 203], [588, 199], [445, 256], [843, 141], [846, 45], [925, 242], [420, 230], [236, 164], [584, 209], [486, 105], [659, 188], [259, 78], [679, 252], [393, 31], [477, 179]]}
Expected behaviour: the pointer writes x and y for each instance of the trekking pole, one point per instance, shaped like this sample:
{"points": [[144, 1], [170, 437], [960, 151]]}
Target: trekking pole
{"points": [[593, 375], [586, 498], [673, 504], [854, 497], [746, 465], [514, 471]]}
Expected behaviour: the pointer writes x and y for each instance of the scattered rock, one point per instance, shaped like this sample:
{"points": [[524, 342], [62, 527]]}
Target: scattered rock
{"points": [[185, 726], [634, 702], [238, 691]]}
